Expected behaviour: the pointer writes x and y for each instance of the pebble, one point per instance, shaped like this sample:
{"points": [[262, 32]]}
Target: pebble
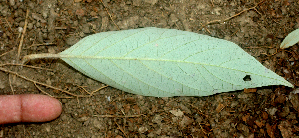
{"points": [[136, 2], [142, 129], [99, 123], [173, 18], [72, 40], [186, 121], [272, 111], [85, 28], [30, 26], [152, 2], [157, 119], [177, 112]]}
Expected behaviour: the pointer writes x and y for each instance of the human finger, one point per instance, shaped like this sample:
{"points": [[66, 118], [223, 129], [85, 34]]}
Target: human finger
{"points": [[28, 108]]}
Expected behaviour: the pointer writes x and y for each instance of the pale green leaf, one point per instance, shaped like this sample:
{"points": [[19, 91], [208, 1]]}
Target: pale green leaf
{"points": [[168, 62], [291, 39]]}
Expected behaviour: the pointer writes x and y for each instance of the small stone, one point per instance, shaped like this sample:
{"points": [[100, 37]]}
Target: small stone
{"points": [[243, 128], [92, 13], [83, 119], [142, 129], [12, 2], [86, 28], [234, 104], [64, 100], [47, 127], [152, 2], [280, 99], [177, 112], [72, 40], [272, 111], [80, 12], [285, 111], [251, 135], [99, 123], [136, 2], [173, 18], [157, 119], [48, 81], [30, 26], [186, 121], [38, 18], [51, 50]]}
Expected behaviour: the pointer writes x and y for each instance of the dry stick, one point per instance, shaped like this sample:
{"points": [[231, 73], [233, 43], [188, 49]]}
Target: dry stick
{"points": [[11, 88], [9, 25], [109, 15], [42, 90], [21, 41], [6, 52], [44, 44], [22, 37], [120, 128], [91, 93], [11, 64], [221, 21], [43, 84]]}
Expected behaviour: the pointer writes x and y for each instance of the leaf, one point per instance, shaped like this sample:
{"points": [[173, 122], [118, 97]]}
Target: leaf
{"points": [[290, 40], [168, 62]]}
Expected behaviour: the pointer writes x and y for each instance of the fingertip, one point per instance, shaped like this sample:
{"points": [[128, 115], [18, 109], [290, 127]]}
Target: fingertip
{"points": [[28, 108], [39, 108]]}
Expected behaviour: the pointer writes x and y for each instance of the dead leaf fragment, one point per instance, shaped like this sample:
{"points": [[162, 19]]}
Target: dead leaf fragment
{"points": [[259, 123], [285, 129], [219, 108], [271, 130], [186, 121], [294, 99], [245, 118]]}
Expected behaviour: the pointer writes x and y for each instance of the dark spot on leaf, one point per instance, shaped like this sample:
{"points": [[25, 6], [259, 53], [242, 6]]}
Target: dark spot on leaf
{"points": [[247, 78]]}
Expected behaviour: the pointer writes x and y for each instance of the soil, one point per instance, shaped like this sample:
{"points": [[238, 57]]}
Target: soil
{"points": [[54, 25]]}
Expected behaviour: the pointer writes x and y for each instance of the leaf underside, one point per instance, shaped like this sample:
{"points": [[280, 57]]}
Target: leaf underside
{"points": [[291, 39], [168, 62]]}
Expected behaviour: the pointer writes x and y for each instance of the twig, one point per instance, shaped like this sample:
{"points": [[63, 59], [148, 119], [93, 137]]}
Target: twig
{"points": [[221, 21], [120, 128], [60, 28], [44, 44], [42, 90], [11, 64], [9, 25], [22, 37], [109, 14], [91, 93], [11, 88], [6, 52], [118, 116], [203, 130], [43, 84]]}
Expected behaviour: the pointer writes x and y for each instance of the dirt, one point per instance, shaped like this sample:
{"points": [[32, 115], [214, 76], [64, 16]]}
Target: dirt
{"points": [[56, 25]]}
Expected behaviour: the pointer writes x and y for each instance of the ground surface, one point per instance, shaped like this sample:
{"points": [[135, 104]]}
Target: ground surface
{"points": [[269, 112]]}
